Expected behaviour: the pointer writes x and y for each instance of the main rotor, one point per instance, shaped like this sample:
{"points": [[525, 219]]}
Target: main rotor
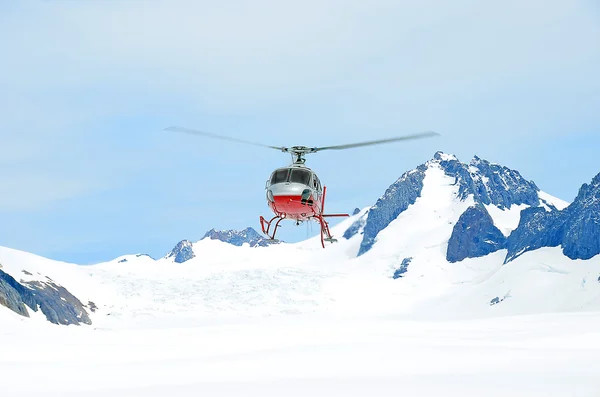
{"points": [[299, 152]]}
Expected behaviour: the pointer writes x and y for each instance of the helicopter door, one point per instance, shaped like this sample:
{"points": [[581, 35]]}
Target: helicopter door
{"points": [[316, 183]]}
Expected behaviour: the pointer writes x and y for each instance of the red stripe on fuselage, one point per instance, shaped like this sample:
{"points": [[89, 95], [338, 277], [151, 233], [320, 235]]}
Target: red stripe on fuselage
{"points": [[292, 207]]}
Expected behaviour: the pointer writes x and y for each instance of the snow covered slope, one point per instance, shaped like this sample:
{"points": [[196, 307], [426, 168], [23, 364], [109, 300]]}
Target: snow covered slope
{"points": [[438, 237], [488, 199], [310, 355], [421, 296], [29, 283]]}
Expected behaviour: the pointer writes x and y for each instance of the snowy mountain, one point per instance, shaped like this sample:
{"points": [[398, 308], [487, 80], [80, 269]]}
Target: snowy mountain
{"points": [[239, 237], [495, 195], [53, 300], [184, 250], [30, 284], [463, 273], [470, 238], [446, 230], [576, 228]]}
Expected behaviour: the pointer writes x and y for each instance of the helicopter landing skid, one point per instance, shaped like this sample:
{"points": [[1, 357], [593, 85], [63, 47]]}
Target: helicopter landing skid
{"points": [[266, 226], [325, 233]]}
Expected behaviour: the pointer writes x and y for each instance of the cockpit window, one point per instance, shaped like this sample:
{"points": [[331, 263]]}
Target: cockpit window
{"points": [[279, 176], [300, 176], [316, 182]]}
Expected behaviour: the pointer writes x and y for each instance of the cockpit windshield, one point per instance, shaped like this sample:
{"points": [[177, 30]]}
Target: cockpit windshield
{"points": [[291, 175], [300, 176], [279, 176]]}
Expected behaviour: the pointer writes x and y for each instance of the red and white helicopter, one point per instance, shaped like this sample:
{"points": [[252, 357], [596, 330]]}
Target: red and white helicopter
{"points": [[295, 192]]}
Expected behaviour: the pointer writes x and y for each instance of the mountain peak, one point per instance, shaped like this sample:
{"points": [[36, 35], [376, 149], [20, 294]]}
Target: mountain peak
{"points": [[476, 160], [485, 183], [238, 237], [182, 252], [491, 183], [441, 156], [589, 193]]}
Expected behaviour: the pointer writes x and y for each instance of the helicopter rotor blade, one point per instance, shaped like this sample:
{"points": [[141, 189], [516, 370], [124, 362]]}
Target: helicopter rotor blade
{"points": [[379, 141], [208, 134]]}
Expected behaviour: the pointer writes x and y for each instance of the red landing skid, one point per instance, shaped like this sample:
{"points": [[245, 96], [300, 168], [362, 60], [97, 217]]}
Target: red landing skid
{"points": [[325, 233]]}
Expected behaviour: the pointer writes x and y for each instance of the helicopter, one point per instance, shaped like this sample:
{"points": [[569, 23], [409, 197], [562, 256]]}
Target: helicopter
{"points": [[294, 192]]}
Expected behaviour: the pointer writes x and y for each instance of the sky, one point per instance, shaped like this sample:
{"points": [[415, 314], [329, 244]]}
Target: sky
{"points": [[87, 172]]}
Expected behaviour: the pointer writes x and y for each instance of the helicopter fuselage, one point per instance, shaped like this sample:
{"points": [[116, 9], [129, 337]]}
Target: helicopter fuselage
{"points": [[294, 192]]}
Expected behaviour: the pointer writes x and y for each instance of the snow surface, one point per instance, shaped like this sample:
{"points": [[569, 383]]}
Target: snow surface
{"points": [[506, 220], [357, 355], [299, 320], [558, 203]]}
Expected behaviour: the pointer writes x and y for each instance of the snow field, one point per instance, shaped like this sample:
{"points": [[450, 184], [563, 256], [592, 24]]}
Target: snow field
{"points": [[320, 355], [297, 320]]}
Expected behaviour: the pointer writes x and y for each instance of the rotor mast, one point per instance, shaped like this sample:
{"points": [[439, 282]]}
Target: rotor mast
{"points": [[298, 153]]}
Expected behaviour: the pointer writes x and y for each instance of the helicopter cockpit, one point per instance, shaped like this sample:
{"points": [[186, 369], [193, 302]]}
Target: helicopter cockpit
{"points": [[295, 175], [291, 175]]}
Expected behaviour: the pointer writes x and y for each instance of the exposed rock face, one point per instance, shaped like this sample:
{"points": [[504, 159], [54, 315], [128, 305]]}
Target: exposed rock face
{"points": [[537, 228], [403, 268], [576, 228], [474, 235], [58, 305], [356, 226], [92, 306], [239, 237], [10, 297], [182, 252], [490, 183], [396, 199], [582, 227]]}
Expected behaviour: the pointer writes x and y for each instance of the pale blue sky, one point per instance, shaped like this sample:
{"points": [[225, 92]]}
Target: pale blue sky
{"points": [[87, 172]]}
